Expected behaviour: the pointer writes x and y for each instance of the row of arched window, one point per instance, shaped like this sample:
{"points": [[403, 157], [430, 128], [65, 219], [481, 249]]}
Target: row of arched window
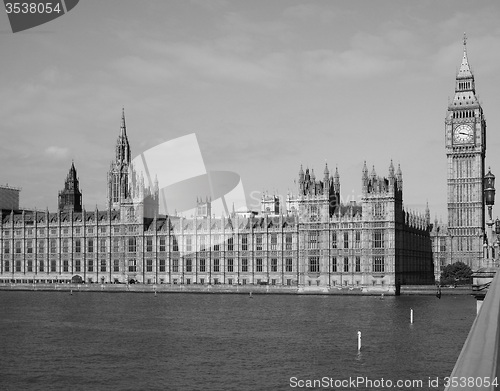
{"points": [[463, 114], [464, 85]]}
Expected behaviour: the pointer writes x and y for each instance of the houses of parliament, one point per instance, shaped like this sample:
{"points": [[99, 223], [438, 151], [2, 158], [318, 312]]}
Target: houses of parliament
{"points": [[314, 242]]}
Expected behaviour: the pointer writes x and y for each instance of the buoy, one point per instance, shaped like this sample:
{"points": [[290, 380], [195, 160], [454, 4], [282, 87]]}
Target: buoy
{"points": [[359, 341], [411, 315], [71, 292]]}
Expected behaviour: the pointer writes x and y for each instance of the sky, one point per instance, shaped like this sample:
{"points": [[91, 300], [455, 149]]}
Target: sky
{"points": [[265, 85]]}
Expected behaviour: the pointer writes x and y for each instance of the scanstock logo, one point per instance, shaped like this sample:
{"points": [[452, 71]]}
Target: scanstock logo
{"points": [[26, 14], [177, 168]]}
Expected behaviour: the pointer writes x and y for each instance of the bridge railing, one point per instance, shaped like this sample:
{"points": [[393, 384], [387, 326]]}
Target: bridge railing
{"points": [[478, 365]]}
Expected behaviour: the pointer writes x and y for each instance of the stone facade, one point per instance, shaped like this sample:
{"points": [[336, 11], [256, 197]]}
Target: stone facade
{"points": [[462, 238], [314, 242]]}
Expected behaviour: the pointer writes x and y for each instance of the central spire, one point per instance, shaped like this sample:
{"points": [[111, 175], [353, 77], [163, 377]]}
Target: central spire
{"points": [[122, 145], [464, 71], [123, 128]]}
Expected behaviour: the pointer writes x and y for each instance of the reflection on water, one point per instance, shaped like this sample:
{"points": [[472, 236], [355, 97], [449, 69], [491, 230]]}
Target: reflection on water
{"points": [[118, 341]]}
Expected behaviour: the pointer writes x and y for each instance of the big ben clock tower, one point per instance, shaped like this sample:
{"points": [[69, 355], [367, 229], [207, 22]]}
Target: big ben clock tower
{"points": [[465, 149]]}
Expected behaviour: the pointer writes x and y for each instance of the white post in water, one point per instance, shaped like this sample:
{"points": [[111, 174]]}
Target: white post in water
{"points": [[411, 315], [359, 341]]}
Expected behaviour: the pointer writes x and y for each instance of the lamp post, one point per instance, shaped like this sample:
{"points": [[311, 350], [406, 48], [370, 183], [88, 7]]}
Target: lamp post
{"points": [[482, 277], [489, 201]]}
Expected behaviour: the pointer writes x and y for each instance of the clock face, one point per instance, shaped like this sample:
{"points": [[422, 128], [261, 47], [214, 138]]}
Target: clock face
{"points": [[463, 134]]}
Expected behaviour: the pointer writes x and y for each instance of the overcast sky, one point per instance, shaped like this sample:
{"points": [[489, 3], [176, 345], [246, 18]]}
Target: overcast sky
{"points": [[265, 85]]}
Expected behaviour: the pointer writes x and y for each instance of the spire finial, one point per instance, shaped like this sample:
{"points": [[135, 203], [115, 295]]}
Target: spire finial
{"points": [[123, 127], [465, 40]]}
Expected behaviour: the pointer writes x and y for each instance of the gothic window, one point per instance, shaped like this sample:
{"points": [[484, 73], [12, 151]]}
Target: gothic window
{"points": [[149, 244], [202, 265], [162, 266], [189, 244], [29, 246], [244, 242], [258, 265], [378, 239], [53, 265], [132, 245], [244, 265], [289, 264], [116, 245], [116, 188], [230, 265], [378, 210], [357, 239], [30, 265], [334, 264], [78, 266], [216, 242], [442, 245], [274, 264], [130, 214], [334, 239], [162, 243], [65, 245], [175, 246], [313, 212], [274, 241], [18, 266], [358, 264], [216, 265], [103, 265], [189, 265], [258, 242], [90, 245], [288, 242], [313, 264], [116, 265], [18, 247], [346, 239], [378, 264], [346, 264], [53, 246], [313, 239], [230, 244], [41, 246], [202, 243], [132, 265], [7, 266], [149, 265], [175, 265], [102, 245], [40, 265]]}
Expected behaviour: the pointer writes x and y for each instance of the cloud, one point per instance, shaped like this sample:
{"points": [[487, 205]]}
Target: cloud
{"points": [[57, 153], [208, 62], [351, 63], [307, 11], [139, 70]]}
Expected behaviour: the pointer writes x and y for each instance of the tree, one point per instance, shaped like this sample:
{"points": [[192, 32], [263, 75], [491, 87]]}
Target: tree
{"points": [[456, 273]]}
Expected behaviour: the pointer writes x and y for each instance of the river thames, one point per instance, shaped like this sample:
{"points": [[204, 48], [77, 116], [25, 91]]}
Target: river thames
{"points": [[139, 341]]}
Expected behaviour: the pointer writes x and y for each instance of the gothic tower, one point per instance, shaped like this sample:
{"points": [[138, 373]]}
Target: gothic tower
{"points": [[70, 198], [465, 134], [118, 181], [318, 199]]}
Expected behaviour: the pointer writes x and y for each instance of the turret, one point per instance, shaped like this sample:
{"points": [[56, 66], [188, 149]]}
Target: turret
{"points": [[399, 178], [70, 198]]}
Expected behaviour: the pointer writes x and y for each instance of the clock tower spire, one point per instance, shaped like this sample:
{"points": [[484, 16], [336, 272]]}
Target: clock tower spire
{"points": [[465, 135]]}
